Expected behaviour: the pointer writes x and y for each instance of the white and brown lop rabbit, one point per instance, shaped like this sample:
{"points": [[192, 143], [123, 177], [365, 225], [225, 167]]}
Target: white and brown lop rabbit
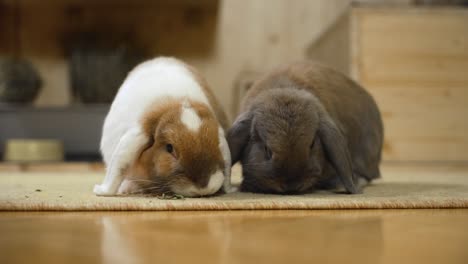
{"points": [[164, 133], [304, 127]]}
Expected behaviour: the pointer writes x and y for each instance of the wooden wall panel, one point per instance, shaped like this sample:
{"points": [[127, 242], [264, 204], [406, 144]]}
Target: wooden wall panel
{"points": [[415, 63]]}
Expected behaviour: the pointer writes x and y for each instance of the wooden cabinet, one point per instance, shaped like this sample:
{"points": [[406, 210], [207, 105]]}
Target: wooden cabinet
{"points": [[414, 61]]}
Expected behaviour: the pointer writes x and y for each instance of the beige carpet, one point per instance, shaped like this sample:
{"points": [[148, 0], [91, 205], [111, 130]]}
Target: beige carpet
{"points": [[420, 186]]}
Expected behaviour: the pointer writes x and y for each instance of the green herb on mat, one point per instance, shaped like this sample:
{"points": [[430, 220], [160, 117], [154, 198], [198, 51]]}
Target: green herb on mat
{"points": [[170, 196]]}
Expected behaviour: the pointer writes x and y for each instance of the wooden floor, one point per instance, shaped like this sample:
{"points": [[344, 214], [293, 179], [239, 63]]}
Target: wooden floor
{"points": [[365, 236]]}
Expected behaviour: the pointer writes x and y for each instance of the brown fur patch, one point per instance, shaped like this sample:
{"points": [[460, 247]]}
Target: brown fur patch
{"points": [[198, 153]]}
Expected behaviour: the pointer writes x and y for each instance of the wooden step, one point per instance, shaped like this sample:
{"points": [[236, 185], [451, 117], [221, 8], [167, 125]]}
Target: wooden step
{"points": [[414, 61]]}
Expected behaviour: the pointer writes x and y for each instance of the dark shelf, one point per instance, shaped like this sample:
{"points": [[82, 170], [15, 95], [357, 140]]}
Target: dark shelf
{"points": [[78, 127]]}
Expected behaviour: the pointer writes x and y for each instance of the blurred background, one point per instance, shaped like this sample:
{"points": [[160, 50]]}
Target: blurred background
{"points": [[62, 61]]}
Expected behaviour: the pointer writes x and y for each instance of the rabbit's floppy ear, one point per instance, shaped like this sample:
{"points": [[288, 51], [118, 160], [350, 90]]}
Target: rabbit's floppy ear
{"points": [[336, 149], [122, 157], [239, 135]]}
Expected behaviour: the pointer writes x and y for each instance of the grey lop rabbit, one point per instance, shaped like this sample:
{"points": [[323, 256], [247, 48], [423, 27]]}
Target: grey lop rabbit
{"points": [[305, 127]]}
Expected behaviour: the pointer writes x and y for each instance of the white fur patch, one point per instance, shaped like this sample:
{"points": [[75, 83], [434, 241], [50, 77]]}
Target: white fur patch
{"points": [[189, 117], [123, 156], [216, 180], [224, 148], [129, 187], [215, 183]]}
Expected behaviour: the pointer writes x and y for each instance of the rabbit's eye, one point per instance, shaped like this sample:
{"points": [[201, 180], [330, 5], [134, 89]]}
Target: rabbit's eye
{"points": [[169, 148], [268, 153]]}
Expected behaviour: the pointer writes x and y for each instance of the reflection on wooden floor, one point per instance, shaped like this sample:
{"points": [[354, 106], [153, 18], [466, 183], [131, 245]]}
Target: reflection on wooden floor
{"points": [[366, 236]]}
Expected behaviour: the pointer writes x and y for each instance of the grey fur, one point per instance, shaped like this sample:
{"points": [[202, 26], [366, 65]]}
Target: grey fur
{"points": [[305, 127]]}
